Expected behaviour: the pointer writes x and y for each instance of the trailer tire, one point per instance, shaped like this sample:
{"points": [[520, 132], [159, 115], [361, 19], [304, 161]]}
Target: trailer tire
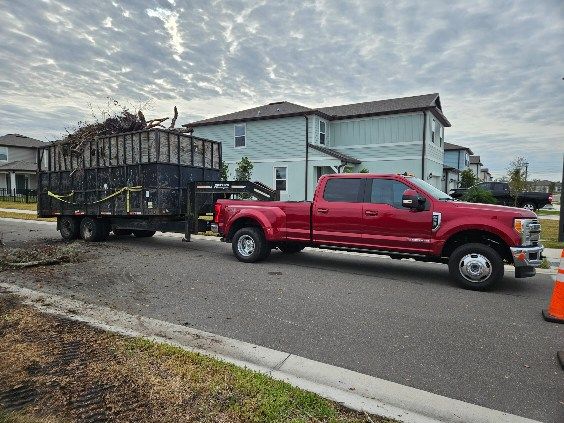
{"points": [[249, 245], [122, 232], [69, 227], [476, 266], [290, 248], [141, 233], [93, 230]]}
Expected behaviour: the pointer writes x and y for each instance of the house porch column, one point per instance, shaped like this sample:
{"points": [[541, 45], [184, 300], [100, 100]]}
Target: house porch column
{"points": [[13, 180]]}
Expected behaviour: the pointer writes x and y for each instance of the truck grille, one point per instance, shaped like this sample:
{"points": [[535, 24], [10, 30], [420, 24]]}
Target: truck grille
{"points": [[532, 232]]}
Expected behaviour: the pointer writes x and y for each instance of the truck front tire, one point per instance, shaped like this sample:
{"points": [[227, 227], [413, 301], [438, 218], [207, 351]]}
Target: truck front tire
{"points": [[476, 266], [249, 245], [94, 230], [69, 228]]}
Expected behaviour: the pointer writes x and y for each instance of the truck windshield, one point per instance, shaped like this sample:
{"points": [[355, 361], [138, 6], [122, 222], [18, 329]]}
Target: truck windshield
{"points": [[431, 190]]}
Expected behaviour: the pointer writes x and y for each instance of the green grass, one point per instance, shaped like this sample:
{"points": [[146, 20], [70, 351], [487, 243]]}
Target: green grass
{"points": [[547, 212], [16, 205], [252, 396], [25, 216], [549, 234]]}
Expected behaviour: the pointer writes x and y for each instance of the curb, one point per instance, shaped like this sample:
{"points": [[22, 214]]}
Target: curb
{"points": [[354, 390]]}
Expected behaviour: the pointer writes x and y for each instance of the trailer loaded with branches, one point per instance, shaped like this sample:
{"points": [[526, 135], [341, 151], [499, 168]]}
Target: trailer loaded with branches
{"points": [[136, 182]]}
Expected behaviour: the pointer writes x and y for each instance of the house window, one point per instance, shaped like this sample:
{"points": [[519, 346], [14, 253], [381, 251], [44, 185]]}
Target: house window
{"points": [[321, 132], [466, 160], [240, 131], [3, 154], [280, 178], [433, 131], [442, 135]]}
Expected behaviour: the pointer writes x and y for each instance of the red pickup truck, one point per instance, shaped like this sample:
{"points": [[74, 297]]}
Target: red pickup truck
{"points": [[397, 215]]}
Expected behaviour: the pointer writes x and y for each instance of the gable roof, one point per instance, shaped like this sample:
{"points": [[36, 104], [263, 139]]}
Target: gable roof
{"points": [[334, 153], [452, 147], [475, 160], [19, 165], [279, 109], [17, 140]]}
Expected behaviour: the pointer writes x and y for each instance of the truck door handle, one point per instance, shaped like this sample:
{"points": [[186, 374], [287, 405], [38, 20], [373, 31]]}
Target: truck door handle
{"points": [[371, 212], [323, 211]]}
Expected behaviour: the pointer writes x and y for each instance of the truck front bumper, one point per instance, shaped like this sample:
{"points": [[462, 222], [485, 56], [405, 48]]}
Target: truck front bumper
{"points": [[527, 256]]}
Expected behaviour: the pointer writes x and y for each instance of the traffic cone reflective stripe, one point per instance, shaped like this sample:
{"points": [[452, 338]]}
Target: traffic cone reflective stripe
{"points": [[555, 311]]}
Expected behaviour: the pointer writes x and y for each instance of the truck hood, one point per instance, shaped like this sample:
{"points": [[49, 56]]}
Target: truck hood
{"points": [[494, 209]]}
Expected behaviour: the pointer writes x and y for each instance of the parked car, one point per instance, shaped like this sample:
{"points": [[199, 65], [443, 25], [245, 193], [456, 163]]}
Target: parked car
{"points": [[398, 215], [500, 190]]}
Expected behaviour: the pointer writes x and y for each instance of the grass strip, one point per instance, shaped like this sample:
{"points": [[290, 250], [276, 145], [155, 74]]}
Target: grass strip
{"points": [[132, 379], [17, 205], [25, 216], [549, 233]]}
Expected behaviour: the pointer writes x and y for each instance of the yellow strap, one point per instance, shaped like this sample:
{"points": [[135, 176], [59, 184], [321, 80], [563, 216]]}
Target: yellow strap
{"points": [[60, 197], [126, 189]]}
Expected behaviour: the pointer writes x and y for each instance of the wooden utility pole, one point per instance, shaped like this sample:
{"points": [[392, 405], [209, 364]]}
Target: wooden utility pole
{"points": [[561, 221]]}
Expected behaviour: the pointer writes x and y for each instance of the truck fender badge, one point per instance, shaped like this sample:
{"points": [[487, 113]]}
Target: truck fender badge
{"points": [[436, 221]]}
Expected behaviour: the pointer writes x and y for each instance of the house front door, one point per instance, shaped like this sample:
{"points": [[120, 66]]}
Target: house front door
{"points": [[21, 184]]}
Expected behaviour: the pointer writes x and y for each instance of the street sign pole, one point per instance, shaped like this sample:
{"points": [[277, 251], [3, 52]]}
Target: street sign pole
{"points": [[561, 221]]}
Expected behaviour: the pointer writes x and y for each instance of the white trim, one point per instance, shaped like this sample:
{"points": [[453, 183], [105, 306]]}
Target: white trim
{"points": [[244, 124], [382, 144], [274, 178]]}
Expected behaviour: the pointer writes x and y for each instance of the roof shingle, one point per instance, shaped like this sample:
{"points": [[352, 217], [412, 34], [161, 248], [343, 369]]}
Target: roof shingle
{"points": [[17, 140], [19, 165]]}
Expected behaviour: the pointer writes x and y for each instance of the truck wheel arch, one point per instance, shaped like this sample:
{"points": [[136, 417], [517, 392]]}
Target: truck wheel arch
{"points": [[477, 236], [243, 222]]}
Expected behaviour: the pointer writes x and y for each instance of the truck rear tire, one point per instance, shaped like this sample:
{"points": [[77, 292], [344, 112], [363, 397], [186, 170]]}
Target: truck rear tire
{"points": [[139, 233], [94, 230], [249, 245], [476, 266], [291, 248], [69, 227]]}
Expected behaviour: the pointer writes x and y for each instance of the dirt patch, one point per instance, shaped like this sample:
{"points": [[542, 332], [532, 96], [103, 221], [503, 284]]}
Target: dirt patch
{"points": [[40, 255], [62, 370]]}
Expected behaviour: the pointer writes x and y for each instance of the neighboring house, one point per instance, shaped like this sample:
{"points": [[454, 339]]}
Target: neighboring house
{"points": [[545, 186], [18, 162], [456, 159], [291, 146], [476, 166], [485, 175]]}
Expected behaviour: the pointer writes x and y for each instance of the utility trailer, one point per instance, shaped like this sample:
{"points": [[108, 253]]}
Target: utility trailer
{"points": [[135, 183]]}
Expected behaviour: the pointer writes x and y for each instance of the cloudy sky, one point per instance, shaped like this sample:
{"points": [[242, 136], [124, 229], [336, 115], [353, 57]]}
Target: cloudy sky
{"points": [[498, 65]]}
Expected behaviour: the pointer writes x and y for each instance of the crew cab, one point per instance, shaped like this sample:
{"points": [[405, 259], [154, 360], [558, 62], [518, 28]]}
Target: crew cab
{"points": [[396, 215], [500, 190]]}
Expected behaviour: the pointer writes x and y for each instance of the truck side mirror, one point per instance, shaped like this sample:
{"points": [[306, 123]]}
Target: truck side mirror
{"points": [[411, 200]]}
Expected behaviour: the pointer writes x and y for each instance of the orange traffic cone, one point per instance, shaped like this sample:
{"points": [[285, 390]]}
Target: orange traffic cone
{"points": [[555, 311]]}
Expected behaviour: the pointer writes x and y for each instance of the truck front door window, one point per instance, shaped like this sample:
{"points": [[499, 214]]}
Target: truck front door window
{"points": [[386, 191]]}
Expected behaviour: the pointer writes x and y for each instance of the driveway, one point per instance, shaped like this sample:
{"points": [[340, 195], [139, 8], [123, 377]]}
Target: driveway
{"points": [[397, 320]]}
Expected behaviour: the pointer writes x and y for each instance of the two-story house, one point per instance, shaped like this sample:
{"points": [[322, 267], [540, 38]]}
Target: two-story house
{"points": [[476, 166], [291, 146], [18, 162], [456, 159]]}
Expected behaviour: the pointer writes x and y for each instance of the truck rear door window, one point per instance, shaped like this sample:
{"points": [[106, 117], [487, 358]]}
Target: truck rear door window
{"points": [[387, 191], [346, 190]]}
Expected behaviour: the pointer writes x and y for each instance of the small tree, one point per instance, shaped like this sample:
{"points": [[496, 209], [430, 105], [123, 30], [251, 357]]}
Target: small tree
{"points": [[243, 172], [224, 171], [244, 169], [552, 187], [364, 170], [467, 178], [348, 169], [516, 177], [478, 194]]}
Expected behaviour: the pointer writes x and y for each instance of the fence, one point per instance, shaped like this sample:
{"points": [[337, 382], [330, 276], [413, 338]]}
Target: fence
{"points": [[18, 195]]}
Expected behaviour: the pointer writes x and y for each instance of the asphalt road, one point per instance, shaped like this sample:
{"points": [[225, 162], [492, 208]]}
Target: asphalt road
{"points": [[397, 320]]}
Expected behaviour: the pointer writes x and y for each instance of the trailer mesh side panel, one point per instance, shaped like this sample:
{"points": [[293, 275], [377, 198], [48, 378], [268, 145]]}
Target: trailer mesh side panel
{"points": [[152, 168]]}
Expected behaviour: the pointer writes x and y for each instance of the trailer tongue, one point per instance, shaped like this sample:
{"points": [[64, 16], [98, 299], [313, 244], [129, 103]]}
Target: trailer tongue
{"points": [[135, 183]]}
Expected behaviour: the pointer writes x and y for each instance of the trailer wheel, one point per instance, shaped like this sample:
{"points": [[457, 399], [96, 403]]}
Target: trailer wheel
{"points": [[138, 233], [122, 232], [69, 228], [476, 266], [249, 245], [93, 230], [291, 248]]}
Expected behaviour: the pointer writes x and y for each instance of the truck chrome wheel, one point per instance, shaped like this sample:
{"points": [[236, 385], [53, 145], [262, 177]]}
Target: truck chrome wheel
{"points": [[529, 206], [246, 245], [475, 267]]}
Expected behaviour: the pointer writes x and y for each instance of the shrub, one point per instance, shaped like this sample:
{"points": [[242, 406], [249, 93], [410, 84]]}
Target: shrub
{"points": [[477, 194]]}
